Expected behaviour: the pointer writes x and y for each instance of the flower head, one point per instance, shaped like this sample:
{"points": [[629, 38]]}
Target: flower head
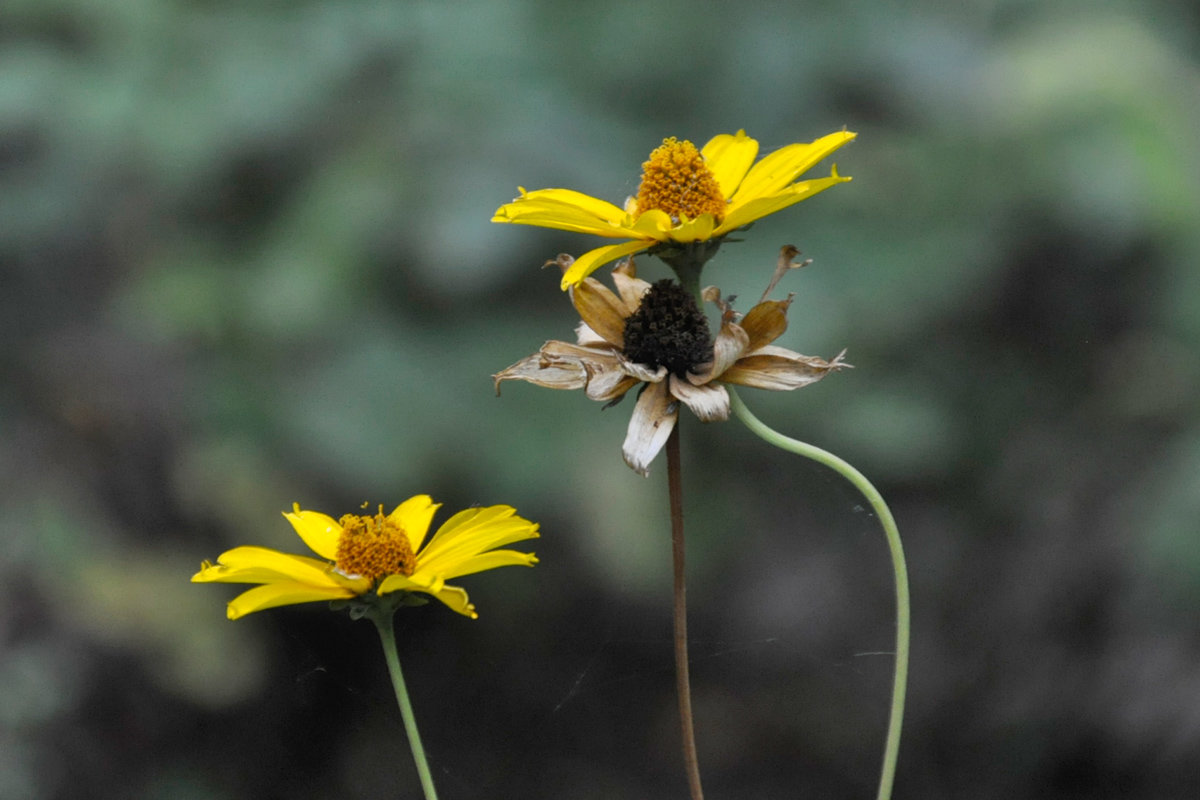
{"points": [[653, 335], [377, 553], [685, 196]]}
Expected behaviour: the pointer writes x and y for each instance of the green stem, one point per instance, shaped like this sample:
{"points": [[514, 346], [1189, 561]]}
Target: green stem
{"points": [[383, 622], [683, 683], [892, 745]]}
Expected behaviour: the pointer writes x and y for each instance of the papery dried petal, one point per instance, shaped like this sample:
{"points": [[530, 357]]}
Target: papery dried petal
{"points": [[653, 420], [780, 369], [710, 402]]}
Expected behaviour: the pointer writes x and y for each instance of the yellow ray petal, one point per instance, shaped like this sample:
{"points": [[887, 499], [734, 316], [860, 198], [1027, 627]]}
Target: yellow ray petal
{"points": [[319, 531], [654, 224], [592, 260], [565, 219], [693, 230], [593, 206], [728, 156], [760, 207], [263, 565], [414, 516], [471, 532], [282, 594], [778, 169], [455, 597], [491, 560]]}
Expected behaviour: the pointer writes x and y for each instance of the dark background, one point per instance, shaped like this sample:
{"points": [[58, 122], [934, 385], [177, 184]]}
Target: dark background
{"points": [[246, 261]]}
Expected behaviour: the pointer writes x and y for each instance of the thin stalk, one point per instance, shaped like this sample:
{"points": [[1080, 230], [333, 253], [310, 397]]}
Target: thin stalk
{"points": [[387, 635], [891, 748], [683, 685]]}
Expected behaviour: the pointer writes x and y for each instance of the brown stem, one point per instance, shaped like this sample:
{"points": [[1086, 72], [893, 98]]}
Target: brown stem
{"points": [[683, 686]]}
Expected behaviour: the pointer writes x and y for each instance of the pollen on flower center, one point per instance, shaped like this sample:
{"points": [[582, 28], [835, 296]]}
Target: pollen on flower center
{"points": [[668, 330], [374, 547], [676, 180]]}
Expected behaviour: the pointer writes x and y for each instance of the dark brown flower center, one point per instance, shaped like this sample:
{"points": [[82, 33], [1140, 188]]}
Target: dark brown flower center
{"points": [[668, 330], [374, 547]]}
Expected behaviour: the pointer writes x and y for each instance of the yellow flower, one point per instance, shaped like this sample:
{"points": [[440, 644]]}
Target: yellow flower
{"points": [[375, 553], [686, 195], [654, 335]]}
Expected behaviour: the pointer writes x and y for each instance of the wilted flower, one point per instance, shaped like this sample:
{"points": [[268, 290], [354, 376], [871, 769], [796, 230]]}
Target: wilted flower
{"points": [[654, 335], [378, 553], [685, 196]]}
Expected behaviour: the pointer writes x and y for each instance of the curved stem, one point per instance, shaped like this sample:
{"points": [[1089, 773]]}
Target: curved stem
{"points": [[383, 623], [900, 682], [683, 685]]}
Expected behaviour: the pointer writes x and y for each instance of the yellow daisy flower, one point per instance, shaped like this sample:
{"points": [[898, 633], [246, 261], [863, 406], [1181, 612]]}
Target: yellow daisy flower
{"points": [[379, 553], [685, 196], [655, 336]]}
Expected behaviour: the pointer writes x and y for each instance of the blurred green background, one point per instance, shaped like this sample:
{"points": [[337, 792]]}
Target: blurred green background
{"points": [[246, 261]]}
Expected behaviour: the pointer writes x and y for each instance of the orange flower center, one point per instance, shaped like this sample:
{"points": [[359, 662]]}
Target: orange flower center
{"points": [[676, 180], [374, 547]]}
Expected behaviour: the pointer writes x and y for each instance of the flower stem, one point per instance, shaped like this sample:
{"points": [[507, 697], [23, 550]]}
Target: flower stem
{"points": [[900, 681], [683, 685], [383, 622]]}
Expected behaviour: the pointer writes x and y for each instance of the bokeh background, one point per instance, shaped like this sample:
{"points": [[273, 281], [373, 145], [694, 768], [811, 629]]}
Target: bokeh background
{"points": [[246, 261]]}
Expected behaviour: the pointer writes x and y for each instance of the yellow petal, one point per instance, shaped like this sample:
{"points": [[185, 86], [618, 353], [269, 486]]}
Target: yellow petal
{"points": [[263, 565], [728, 156], [655, 224], [282, 594], [471, 532], [760, 207], [565, 219], [455, 597], [592, 260], [593, 206], [491, 560], [777, 170], [319, 531], [693, 230], [414, 516]]}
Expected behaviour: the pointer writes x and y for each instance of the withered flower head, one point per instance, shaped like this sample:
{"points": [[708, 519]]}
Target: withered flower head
{"points": [[654, 335]]}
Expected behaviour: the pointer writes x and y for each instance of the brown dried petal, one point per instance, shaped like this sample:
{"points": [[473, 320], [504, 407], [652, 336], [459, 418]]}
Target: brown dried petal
{"points": [[766, 322], [709, 402], [780, 369], [551, 373], [607, 385], [653, 419], [587, 337], [630, 287], [728, 347], [602, 310], [642, 372]]}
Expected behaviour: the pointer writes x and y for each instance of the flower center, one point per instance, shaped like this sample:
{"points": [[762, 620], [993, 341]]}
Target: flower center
{"points": [[668, 330], [675, 180], [374, 547]]}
